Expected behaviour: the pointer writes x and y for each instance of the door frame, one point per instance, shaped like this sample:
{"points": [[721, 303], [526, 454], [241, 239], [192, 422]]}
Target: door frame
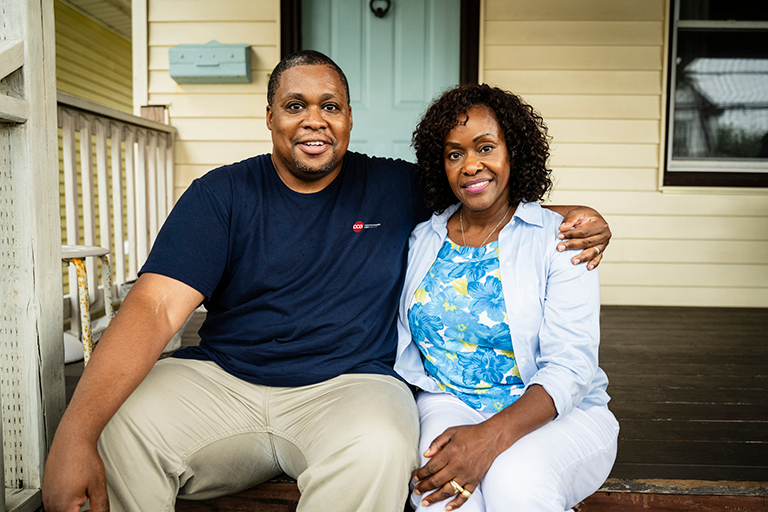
{"points": [[469, 50]]}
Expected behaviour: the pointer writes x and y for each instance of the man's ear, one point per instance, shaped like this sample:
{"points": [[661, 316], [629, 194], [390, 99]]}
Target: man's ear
{"points": [[350, 118], [269, 118]]}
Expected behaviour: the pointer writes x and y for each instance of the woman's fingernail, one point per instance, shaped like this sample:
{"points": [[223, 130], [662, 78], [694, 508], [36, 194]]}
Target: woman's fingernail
{"points": [[417, 492], [560, 236], [576, 262], [424, 503]]}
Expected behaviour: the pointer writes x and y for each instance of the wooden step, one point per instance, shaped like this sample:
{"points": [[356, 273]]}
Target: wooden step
{"points": [[282, 495], [644, 502], [272, 496]]}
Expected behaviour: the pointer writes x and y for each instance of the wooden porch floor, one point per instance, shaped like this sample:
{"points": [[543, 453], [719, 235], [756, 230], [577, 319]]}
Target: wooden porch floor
{"points": [[689, 387]]}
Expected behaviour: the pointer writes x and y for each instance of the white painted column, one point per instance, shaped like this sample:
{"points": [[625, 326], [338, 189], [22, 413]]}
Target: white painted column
{"points": [[31, 346]]}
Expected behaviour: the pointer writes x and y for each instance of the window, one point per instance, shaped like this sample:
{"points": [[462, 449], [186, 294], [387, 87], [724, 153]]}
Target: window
{"points": [[718, 94]]}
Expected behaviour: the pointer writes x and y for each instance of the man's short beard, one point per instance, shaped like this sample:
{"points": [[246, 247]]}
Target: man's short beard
{"points": [[322, 171]]}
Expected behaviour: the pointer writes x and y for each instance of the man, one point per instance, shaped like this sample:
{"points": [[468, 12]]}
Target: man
{"points": [[299, 258]]}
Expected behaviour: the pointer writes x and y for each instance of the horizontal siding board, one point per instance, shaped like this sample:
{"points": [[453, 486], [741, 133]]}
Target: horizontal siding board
{"points": [[587, 106], [652, 226], [573, 57], [580, 33], [724, 275], [263, 58], [105, 83], [161, 82], [205, 10], [249, 32], [212, 105], [186, 173], [583, 10], [645, 203], [683, 296], [207, 129], [77, 53], [604, 130], [576, 82], [80, 29], [604, 155], [576, 178], [107, 99], [218, 153], [746, 252]]}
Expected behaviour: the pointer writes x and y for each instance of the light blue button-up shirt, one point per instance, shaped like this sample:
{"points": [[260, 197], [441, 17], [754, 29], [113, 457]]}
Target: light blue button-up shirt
{"points": [[553, 308]]}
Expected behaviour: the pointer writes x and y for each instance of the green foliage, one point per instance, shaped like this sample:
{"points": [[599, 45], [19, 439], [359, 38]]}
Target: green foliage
{"points": [[735, 142]]}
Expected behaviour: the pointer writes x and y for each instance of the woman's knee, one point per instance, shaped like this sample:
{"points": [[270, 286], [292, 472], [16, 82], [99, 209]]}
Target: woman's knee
{"points": [[529, 485]]}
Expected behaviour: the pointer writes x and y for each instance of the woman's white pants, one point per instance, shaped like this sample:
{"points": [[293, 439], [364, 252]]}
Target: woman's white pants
{"points": [[551, 469]]}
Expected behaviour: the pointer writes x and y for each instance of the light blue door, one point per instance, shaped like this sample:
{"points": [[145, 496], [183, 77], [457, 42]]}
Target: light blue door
{"points": [[395, 65]]}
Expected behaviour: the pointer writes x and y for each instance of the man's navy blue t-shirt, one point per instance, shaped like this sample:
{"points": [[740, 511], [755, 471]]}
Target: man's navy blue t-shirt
{"points": [[300, 288]]}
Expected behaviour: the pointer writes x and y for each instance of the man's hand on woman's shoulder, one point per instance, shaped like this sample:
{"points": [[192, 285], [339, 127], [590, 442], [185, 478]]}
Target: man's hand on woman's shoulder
{"points": [[583, 228]]}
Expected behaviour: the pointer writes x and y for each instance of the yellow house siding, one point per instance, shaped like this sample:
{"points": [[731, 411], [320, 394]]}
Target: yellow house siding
{"points": [[94, 63], [595, 69], [217, 123], [91, 61]]}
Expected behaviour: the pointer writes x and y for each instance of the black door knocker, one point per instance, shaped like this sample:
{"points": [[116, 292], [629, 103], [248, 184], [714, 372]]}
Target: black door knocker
{"points": [[378, 10]]}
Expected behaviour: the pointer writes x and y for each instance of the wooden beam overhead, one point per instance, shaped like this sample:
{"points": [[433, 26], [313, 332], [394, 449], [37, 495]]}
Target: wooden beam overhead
{"points": [[13, 110], [11, 56]]}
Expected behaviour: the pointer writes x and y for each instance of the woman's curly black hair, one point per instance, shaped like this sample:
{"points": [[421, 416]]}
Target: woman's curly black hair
{"points": [[524, 132]]}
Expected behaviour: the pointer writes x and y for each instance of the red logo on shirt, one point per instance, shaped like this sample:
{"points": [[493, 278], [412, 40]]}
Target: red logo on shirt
{"points": [[358, 226]]}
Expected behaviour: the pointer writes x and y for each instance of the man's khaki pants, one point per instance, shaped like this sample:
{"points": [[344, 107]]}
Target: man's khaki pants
{"points": [[194, 430]]}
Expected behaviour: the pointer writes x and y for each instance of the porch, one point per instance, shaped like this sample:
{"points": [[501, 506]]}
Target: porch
{"points": [[690, 389]]}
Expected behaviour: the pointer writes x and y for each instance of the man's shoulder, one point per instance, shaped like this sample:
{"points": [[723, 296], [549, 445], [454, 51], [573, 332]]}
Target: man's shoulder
{"points": [[229, 181], [238, 170]]}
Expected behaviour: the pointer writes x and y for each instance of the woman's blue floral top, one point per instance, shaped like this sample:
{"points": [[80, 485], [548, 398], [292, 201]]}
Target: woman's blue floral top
{"points": [[459, 321]]}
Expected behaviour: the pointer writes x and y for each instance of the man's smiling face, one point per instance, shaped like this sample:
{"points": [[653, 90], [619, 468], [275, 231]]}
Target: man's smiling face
{"points": [[310, 121]]}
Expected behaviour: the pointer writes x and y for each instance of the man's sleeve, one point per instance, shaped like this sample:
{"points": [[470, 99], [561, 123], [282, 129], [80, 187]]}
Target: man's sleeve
{"points": [[193, 244], [420, 211]]}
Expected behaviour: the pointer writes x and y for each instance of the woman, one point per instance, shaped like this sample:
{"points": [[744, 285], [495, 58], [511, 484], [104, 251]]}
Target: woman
{"points": [[512, 403]]}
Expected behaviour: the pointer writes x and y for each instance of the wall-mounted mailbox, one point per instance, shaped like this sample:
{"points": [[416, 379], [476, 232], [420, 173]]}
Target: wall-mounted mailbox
{"points": [[211, 63]]}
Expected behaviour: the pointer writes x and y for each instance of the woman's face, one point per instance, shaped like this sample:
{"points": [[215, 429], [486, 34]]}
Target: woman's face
{"points": [[476, 161]]}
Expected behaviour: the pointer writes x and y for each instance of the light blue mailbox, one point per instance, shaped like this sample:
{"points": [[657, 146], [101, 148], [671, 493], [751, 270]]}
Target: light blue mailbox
{"points": [[211, 63]]}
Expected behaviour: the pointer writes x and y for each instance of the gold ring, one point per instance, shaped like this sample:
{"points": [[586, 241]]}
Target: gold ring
{"points": [[457, 487], [597, 249], [466, 494]]}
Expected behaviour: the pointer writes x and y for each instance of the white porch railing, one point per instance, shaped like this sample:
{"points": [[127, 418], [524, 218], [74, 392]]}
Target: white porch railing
{"points": [[133, 190]]}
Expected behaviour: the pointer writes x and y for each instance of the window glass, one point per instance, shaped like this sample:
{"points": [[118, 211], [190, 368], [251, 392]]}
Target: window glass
{"points": [[724, 10], [721, 95]]}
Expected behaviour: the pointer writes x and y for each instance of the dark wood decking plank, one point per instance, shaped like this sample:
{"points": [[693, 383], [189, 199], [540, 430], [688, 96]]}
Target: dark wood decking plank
{"points": [[630, 471], [690, 411], [713, 395], [679, 354], [635, 502], [662, 369], [753, 455], [680, 430]]}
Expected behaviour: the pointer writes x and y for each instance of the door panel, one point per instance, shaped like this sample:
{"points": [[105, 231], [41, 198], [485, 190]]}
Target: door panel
{"points": [[395, 65]]}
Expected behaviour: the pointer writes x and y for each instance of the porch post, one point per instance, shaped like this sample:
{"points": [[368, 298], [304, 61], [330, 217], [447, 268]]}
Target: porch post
{"points": [[31, 346]]}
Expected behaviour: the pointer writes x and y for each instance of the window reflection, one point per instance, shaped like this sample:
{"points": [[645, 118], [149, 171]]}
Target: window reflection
{"points": [[721, 95]]}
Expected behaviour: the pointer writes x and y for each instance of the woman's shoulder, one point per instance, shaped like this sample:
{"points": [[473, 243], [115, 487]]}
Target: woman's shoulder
{"points": [[536, 215]]}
